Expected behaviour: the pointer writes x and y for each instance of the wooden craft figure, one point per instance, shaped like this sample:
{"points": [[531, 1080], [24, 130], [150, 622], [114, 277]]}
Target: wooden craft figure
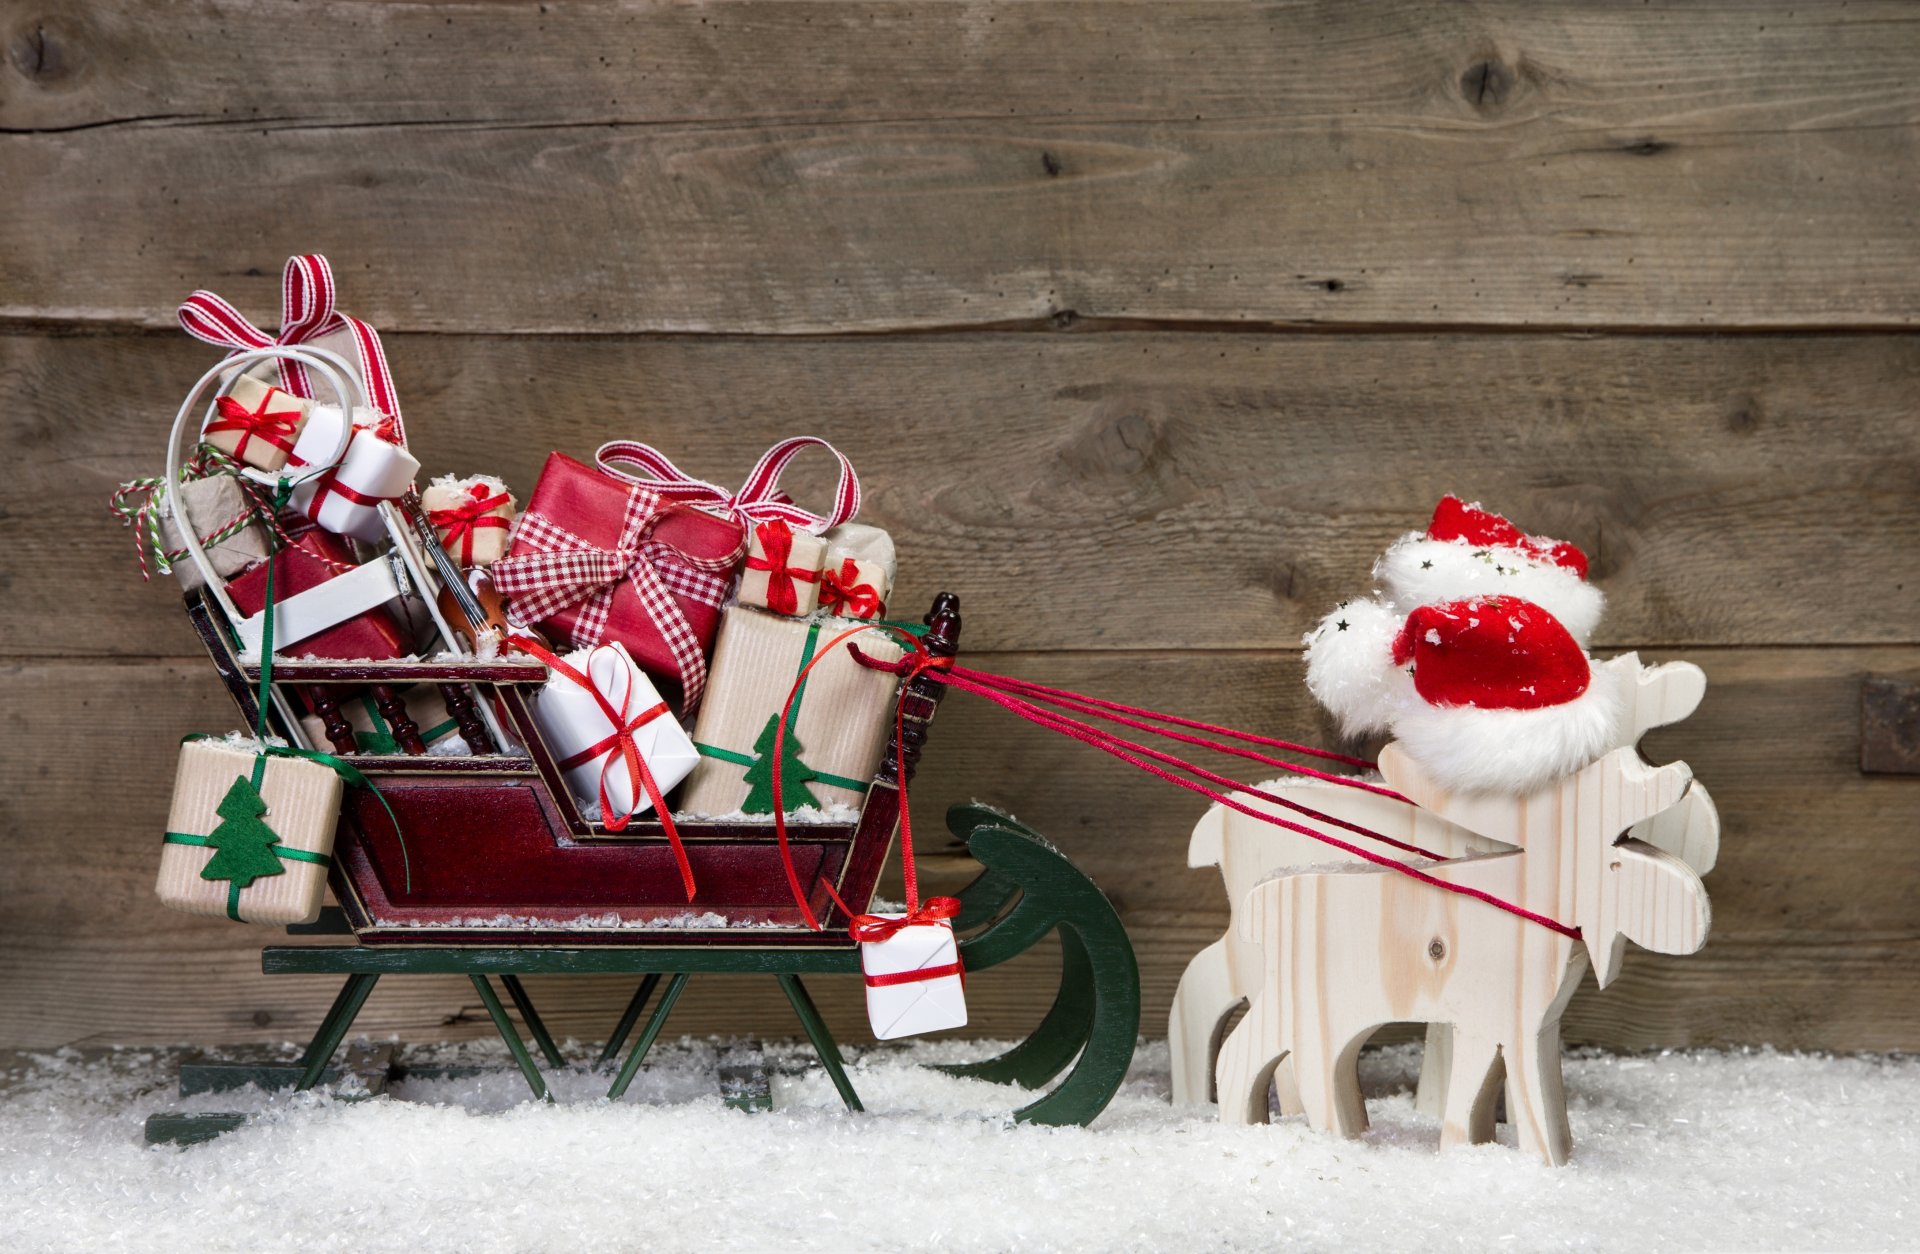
{"points": [[1346, 951], [1221, 977]]}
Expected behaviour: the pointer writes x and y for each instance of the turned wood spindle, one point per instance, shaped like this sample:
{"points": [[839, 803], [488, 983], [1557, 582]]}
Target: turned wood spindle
{"points": [[923, 693], [406, 732], [466, 715], [339, 731]]}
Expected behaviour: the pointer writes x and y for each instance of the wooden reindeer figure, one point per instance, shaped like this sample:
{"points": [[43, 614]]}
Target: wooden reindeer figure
{"points": [[1221, 977], [1346, 951]]}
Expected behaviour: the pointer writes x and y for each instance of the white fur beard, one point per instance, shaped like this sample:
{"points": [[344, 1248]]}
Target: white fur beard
{"points": [[1351, 671], [1419, 571], [1467, 749]]}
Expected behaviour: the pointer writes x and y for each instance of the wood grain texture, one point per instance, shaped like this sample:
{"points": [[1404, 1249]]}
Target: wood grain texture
{"points": [[767, 168], [1806, 952], [1747, 491]]}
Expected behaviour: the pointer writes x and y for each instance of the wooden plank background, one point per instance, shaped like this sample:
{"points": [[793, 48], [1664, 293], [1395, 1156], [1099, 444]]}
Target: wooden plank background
{"points": [[1148, 324]]}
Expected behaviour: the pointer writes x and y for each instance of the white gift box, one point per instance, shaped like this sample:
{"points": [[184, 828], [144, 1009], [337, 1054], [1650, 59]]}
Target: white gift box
{"points": [[914, 983], [346, 499], [572, 722], [319, 444]]}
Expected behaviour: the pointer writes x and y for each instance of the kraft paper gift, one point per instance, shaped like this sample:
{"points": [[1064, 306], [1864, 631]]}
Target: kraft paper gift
{"points": [[472, 516], [856, 580], [782, 573], [215, 504], [256, 423]]}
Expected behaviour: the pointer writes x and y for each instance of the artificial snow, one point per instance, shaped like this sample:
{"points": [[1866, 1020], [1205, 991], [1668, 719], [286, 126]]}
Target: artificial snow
{"points": [[1754, 1150]]}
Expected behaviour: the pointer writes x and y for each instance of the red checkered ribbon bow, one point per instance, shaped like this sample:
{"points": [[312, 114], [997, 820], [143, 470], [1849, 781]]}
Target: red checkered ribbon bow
{"points": [[565, 570], [306, 313], [759, 498]]}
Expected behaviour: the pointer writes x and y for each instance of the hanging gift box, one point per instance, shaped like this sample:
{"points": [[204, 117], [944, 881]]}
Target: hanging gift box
{"points": [[256, 423], [782, 573], [312, 560], [472, 516], [227, 515], [915, 982], [346, 498], [372, 734], [249, 837], [599, 557], [841, 716], [609, 731], [308, 319], [856, 580]]}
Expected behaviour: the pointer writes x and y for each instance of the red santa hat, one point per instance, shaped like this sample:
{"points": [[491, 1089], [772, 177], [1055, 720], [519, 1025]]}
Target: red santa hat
{"points": [[1467, 551], [1508, 700]]}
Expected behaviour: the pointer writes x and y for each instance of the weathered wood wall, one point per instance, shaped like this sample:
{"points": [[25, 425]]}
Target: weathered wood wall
{"points": [[1148, 324]]}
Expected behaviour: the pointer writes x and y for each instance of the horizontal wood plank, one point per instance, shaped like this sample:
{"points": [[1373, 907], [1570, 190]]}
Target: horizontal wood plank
{"points": [[1121, 490], [1813, 914], [586, 167]]}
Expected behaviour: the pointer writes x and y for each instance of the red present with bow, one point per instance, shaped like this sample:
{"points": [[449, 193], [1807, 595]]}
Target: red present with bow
{"points": [[311, 559], [639, 552]]}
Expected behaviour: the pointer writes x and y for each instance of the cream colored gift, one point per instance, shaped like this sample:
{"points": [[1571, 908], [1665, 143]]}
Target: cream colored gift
{"points": [[256, 423], [857, 577], [782, 573], [211, 818], [472, 516], [214, 504], [842, 718]]}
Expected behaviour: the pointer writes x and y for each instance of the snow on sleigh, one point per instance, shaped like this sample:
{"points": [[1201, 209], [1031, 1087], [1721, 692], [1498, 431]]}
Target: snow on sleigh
{"points": [[483, 863]]}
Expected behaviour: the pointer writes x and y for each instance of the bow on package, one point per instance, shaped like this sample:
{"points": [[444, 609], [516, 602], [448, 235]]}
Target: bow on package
{"points": [[307, 316]]}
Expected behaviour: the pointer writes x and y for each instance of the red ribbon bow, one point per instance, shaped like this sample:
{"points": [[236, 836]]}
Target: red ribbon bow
{"points": [[621, 739], [776, 542], [275, 427], [306, 313], [458, 523], [842, 593], [879, 927]]}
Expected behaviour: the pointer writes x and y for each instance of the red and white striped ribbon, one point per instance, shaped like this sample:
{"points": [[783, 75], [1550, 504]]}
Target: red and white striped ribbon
{"points": [[759, 498], [565, 570], [306, 313]]}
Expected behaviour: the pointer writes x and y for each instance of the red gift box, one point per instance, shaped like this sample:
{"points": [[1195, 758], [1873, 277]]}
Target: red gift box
{"points": [[597, 557], [314, 557]]}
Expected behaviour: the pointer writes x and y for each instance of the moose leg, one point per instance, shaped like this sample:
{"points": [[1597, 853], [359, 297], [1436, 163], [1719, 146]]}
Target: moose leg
{"points": [[1536, 1098], [1436, 1064], [1247, 1059], [1201, 1004], [1326, 1067], [1470, 1087]]}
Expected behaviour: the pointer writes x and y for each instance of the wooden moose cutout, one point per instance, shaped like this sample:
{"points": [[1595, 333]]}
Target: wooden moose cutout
{"points": [[1346, 951], [1221, 977]]}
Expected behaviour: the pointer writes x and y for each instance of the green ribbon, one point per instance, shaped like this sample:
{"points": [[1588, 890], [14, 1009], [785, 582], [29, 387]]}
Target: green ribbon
{"points": [[283, 492], [233, 888], [380, 739]]}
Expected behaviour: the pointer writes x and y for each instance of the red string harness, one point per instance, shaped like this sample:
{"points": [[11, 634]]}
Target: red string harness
{"points": [[1027, 699]]}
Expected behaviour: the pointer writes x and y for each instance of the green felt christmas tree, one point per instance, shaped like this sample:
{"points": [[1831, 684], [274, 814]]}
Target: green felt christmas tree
{"points": [[794, 774], [243, 843]]}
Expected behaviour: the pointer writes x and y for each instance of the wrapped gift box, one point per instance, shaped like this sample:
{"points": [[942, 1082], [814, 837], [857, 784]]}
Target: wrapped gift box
{"points": [[581, 737], [914, 980], [372, 734], [214, 504], [312, 559], [256, 423], [856, 581], [578, 547], [782, 573], [345, 499], [841, 722], [268, 851], [472, 516]]}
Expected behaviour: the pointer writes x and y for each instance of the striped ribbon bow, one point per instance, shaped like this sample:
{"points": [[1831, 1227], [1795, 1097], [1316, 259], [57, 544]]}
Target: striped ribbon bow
{"points": [[564, 569], [759, 498], [306, 313]]}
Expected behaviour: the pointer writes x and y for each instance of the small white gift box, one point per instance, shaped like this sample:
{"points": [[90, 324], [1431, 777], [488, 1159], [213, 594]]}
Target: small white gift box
{"points": [[580, 729], [346, 499], [914, 980]]}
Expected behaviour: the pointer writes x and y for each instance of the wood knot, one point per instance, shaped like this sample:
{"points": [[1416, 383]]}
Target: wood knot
{"points": [[1645, 147], [1063, 319], [1437, 949], [40, 55], [1051, 164], [1487, 84]]}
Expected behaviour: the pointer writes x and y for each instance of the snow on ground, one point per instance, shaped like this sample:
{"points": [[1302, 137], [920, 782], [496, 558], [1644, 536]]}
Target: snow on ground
{"points": [[1702, 1151]]}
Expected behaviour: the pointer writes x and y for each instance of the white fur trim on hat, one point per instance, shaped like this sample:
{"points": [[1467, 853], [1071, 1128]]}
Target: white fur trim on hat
{"points": [[1420, 571], [1468, 749], [1350, 670]]}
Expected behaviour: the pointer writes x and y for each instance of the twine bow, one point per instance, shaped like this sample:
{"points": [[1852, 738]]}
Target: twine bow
{"points": [[306, 313], [138, 504], [458, 523]]}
